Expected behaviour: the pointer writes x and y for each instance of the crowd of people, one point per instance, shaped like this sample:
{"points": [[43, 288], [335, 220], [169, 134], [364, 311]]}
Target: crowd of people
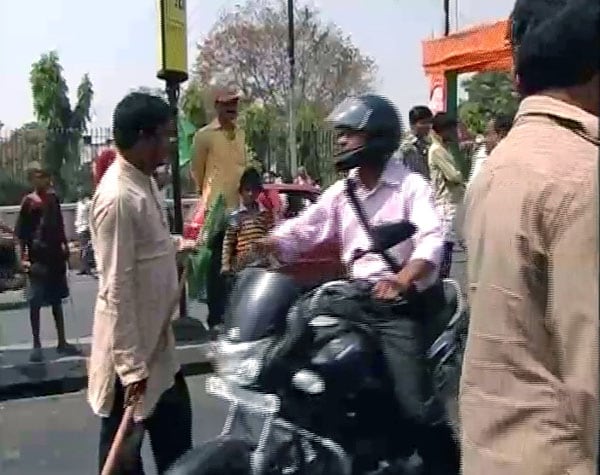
{"points": [[530, 379]]}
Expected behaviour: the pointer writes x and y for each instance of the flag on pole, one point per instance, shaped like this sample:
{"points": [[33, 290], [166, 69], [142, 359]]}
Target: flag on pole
{"points": [[185, 131]]}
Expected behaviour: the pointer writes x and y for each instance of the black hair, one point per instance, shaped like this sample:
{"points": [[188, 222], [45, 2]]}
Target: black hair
{"points": [[251, 179], [443, 121], [555, 43], [418, 113], [503, 123], [138, 114]]}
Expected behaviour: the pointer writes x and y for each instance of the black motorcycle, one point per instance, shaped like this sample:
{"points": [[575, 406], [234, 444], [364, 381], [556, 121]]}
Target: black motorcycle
{"points": [[309, 394]]}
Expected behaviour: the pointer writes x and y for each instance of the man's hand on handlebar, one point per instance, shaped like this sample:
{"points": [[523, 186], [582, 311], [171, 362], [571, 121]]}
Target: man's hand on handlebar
{"points": [[390, 288]]}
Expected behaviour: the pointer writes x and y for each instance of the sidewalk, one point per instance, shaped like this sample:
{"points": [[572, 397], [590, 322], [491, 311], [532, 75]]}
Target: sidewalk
{"points": [[12, 299], [20, 378]]}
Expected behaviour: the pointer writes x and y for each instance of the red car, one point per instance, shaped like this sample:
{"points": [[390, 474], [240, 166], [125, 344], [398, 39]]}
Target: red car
{"points": [[322, 263], [287, 201]]}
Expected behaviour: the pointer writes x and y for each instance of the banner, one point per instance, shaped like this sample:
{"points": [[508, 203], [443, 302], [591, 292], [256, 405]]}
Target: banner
{"points": [[437, 93]]}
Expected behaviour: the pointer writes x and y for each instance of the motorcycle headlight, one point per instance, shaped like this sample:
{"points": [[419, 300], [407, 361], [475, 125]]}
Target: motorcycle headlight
{"points": [[309, 382], [241, 363]]}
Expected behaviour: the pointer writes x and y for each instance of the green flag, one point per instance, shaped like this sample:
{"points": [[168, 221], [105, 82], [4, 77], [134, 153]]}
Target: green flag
{"points": [[186, 131]]}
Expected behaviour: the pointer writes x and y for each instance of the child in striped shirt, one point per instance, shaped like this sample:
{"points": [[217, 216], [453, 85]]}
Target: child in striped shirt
{"points": [[250, 222]]}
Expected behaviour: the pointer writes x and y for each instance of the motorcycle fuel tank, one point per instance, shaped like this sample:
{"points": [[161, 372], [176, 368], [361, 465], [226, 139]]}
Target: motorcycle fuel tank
{"points": [[344, 358], [259, 303]]}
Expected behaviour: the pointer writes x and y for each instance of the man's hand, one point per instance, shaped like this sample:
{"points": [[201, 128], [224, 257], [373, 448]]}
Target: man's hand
{"points": [[390, 288], [186, 246], [134, 392]]}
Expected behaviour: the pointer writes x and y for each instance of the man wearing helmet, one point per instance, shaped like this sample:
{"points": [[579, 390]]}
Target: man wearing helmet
{"points": [[370, 129]]}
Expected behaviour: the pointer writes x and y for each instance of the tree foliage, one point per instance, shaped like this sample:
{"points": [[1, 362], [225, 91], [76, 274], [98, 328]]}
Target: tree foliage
{"points": [[64, 124], [488, 94], [248, 45], [21, 147], [194, 104]]}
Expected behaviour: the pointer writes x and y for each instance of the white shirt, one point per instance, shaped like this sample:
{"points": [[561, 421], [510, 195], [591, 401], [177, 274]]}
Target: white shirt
{"points": [[480, 157], [82, 215]]}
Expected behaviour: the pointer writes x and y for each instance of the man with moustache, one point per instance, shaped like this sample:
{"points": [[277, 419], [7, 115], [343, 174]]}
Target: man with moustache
{"points": [[219, 160]]}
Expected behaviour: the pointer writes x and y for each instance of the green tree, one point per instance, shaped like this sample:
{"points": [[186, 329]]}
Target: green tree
{"points": [[248, 45], [194, 104], [488, 94], [64, 123]]}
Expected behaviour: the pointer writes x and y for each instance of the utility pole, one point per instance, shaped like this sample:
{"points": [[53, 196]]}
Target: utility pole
{"points": [[292, 95], [446, 17], [173, 70]]}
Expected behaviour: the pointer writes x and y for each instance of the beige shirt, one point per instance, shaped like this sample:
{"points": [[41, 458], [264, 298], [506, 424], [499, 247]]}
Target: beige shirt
{"points": [[446, 179], [138, 284], [529, 387], [218, 162]]}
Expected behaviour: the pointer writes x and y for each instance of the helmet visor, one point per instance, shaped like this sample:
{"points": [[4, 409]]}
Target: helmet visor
{"points": [[352, 113]]}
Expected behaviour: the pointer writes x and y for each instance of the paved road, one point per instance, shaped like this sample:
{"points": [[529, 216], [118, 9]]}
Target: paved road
{"points": [[79, 312], [58, 435]]}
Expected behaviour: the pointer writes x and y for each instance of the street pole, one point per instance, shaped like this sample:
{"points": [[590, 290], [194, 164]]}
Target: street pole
{"points": [[446, 17], [173, 69], [173, 89], [292, 96]]}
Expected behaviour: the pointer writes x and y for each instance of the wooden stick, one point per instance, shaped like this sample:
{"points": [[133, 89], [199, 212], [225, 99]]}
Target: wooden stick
{"points": [[117, 444], [127, 419]]}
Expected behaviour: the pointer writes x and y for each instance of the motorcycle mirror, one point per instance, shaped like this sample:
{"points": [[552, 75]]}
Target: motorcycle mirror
{"points": [[388, 235]]}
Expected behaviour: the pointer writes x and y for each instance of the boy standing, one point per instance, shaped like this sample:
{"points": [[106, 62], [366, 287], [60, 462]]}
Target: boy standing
{"points": [[44, 253], [250, 222]]}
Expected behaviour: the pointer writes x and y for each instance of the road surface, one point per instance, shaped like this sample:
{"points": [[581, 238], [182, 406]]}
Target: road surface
{"points": [[58, 435], [79, 314]]}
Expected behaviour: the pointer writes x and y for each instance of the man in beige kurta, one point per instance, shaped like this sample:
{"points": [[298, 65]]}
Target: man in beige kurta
{"points": [[529, 388], [133, 348]]}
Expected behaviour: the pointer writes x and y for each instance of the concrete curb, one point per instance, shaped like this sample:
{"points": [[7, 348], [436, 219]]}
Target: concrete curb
{"points": [[70, 373], [5, 306]]}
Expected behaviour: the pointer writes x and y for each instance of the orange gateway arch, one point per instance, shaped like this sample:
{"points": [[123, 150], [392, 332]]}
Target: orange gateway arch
{"points": [[482, 48]]}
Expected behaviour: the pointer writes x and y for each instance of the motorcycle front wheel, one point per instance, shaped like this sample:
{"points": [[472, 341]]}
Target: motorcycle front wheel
{"points": [[222, 456], [232, 456]]}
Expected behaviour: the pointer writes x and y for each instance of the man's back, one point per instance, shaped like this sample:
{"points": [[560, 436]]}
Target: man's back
{"points": [[529, 389]]}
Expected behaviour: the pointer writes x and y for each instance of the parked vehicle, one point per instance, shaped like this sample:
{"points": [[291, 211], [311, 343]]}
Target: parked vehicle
{"points": [[11, 277], [309, 394]]}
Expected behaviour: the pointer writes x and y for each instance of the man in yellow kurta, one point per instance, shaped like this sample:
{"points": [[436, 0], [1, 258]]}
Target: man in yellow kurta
{"points": [[219, 159]]}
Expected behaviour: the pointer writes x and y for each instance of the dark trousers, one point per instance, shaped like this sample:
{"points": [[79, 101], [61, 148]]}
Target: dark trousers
{"points": [[403, 342], [446, 264], [216, 288], [86, 254], [169, 427]]}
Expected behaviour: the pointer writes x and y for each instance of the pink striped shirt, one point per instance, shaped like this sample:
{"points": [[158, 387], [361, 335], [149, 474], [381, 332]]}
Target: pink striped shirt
{"points": [[399, 195]]}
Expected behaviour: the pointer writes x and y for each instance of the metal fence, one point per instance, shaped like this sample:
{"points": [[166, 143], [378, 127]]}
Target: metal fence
{"points": [[76, 150]]}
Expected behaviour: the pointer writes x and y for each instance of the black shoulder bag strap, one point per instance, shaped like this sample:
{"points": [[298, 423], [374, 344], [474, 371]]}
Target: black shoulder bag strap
{"points": [[350, 190]]}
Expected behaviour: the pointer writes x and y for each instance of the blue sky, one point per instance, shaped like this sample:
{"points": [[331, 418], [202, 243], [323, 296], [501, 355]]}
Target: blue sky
{"points": [[115, 42]]}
